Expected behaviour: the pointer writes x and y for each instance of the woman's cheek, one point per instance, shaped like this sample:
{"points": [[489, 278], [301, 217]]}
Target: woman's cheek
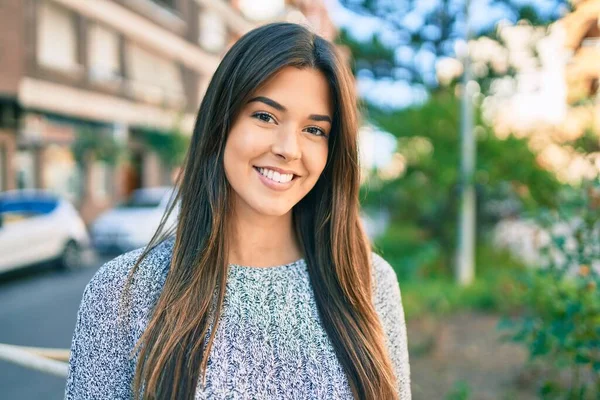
{"points": [[254, 140], [318, 158]]}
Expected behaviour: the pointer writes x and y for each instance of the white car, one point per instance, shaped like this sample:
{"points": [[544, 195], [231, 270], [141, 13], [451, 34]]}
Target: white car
{"points": [[38, 226], [132, 224]]}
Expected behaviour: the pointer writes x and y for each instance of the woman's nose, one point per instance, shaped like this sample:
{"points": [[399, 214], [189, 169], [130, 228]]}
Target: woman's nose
{"points": [[286, 144]]}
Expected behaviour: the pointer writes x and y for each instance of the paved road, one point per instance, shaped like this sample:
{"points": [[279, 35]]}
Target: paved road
{"points": [[38, 308]]}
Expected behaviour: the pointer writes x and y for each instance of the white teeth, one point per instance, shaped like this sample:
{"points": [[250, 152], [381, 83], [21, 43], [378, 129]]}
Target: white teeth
{"points": [[276, 176]]}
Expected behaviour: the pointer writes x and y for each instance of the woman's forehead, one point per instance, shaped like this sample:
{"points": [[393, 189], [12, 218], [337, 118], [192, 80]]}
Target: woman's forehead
{"points": [[298, 89]]}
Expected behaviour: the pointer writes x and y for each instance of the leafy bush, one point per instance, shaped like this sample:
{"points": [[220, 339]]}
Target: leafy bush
{"points": [[562, 319], [496, 288], [98, 144], [171, 146]]}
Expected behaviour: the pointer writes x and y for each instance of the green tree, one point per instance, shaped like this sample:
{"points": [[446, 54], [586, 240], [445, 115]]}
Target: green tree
{"points": [[422, 202], [433, 28]]}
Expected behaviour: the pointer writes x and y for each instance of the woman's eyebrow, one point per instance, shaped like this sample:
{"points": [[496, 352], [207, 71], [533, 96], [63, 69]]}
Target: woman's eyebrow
{"points": [[269, 102], [277, 106], [318, 117]]}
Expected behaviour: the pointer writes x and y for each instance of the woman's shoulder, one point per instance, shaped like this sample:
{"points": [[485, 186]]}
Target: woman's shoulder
{"points": [[388, 303], [386, 288], [382, 272], [382, 269], [111, 277], [100, 364]]}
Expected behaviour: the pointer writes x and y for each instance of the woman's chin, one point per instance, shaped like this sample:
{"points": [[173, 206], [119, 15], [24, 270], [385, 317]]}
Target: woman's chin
{"points": [[273, 210]]}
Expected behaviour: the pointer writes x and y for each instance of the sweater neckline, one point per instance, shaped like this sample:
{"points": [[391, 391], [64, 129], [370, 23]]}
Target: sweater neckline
{"points": [[293, 265], [298, 264]]}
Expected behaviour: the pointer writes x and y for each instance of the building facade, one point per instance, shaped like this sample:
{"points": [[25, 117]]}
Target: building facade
{"points": [[110, 70], [582, 40]]}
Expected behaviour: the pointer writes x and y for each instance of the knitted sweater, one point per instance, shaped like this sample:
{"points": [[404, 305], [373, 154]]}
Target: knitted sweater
{"points": [[270, 343]]}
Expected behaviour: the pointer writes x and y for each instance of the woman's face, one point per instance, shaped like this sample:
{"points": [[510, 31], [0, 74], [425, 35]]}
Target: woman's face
{"points": [[277, 147]]}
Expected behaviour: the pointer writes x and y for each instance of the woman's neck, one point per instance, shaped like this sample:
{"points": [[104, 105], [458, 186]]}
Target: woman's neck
{"points": [[262, 241]]}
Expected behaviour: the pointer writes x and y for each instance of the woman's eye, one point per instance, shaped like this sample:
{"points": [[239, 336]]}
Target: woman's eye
{"points": [[317, 131], [263, 116]]}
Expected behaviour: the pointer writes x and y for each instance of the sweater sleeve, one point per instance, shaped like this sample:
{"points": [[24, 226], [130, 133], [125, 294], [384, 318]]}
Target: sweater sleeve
{"points": [[388, 304], [99, 365]]}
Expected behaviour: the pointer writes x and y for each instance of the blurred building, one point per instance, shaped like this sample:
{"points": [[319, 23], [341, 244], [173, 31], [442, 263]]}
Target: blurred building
{"points": [[117, 69], [583, 42], [582, 73]]}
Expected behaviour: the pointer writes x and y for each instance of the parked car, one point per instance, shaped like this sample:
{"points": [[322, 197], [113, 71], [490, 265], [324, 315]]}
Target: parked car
{"points": [[38, 226], [132, 224]]}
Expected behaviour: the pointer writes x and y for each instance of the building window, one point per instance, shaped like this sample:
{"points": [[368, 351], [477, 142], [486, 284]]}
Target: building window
{"points": [[101, 181], [103, 54], [60, 172], [3, 168], [25, 168], [261, 10], [166, 3], [213, 31], [57, 38], [154, 79]]}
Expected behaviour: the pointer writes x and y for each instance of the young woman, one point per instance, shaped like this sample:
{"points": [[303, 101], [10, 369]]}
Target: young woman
{"points": [[267, 287]]}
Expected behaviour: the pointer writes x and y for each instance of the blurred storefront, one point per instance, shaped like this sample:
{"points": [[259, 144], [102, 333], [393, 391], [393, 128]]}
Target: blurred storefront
{"points": [[112, 67]]}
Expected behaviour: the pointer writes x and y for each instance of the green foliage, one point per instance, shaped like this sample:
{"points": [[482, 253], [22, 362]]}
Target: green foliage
{"points": [[171, 147], [439, 26], [529, 13], [562, 297], [423, 202], [460, 391], [496, 288], [373, 54], [408, 249], [586, 143], [98, 144]]}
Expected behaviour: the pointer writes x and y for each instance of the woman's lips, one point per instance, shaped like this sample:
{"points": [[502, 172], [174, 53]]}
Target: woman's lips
{"points": [[271, 184]]}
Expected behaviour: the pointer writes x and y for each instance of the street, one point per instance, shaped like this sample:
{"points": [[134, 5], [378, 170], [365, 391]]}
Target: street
{"points": [[39, 308]]}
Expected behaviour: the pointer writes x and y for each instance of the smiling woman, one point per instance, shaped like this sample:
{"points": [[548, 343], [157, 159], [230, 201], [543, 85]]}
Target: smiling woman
{"points": [[267, 287]]}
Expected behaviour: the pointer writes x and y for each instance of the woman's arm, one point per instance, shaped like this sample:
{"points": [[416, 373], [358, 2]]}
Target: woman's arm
{"points": [[388, 303], [99, 367]]}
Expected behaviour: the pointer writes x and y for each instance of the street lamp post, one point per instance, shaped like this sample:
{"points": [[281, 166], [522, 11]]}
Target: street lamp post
{"points": [[465, 259]]}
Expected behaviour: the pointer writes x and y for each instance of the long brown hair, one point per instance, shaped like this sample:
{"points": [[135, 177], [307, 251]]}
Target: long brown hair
{"points": [[173, 350]]}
